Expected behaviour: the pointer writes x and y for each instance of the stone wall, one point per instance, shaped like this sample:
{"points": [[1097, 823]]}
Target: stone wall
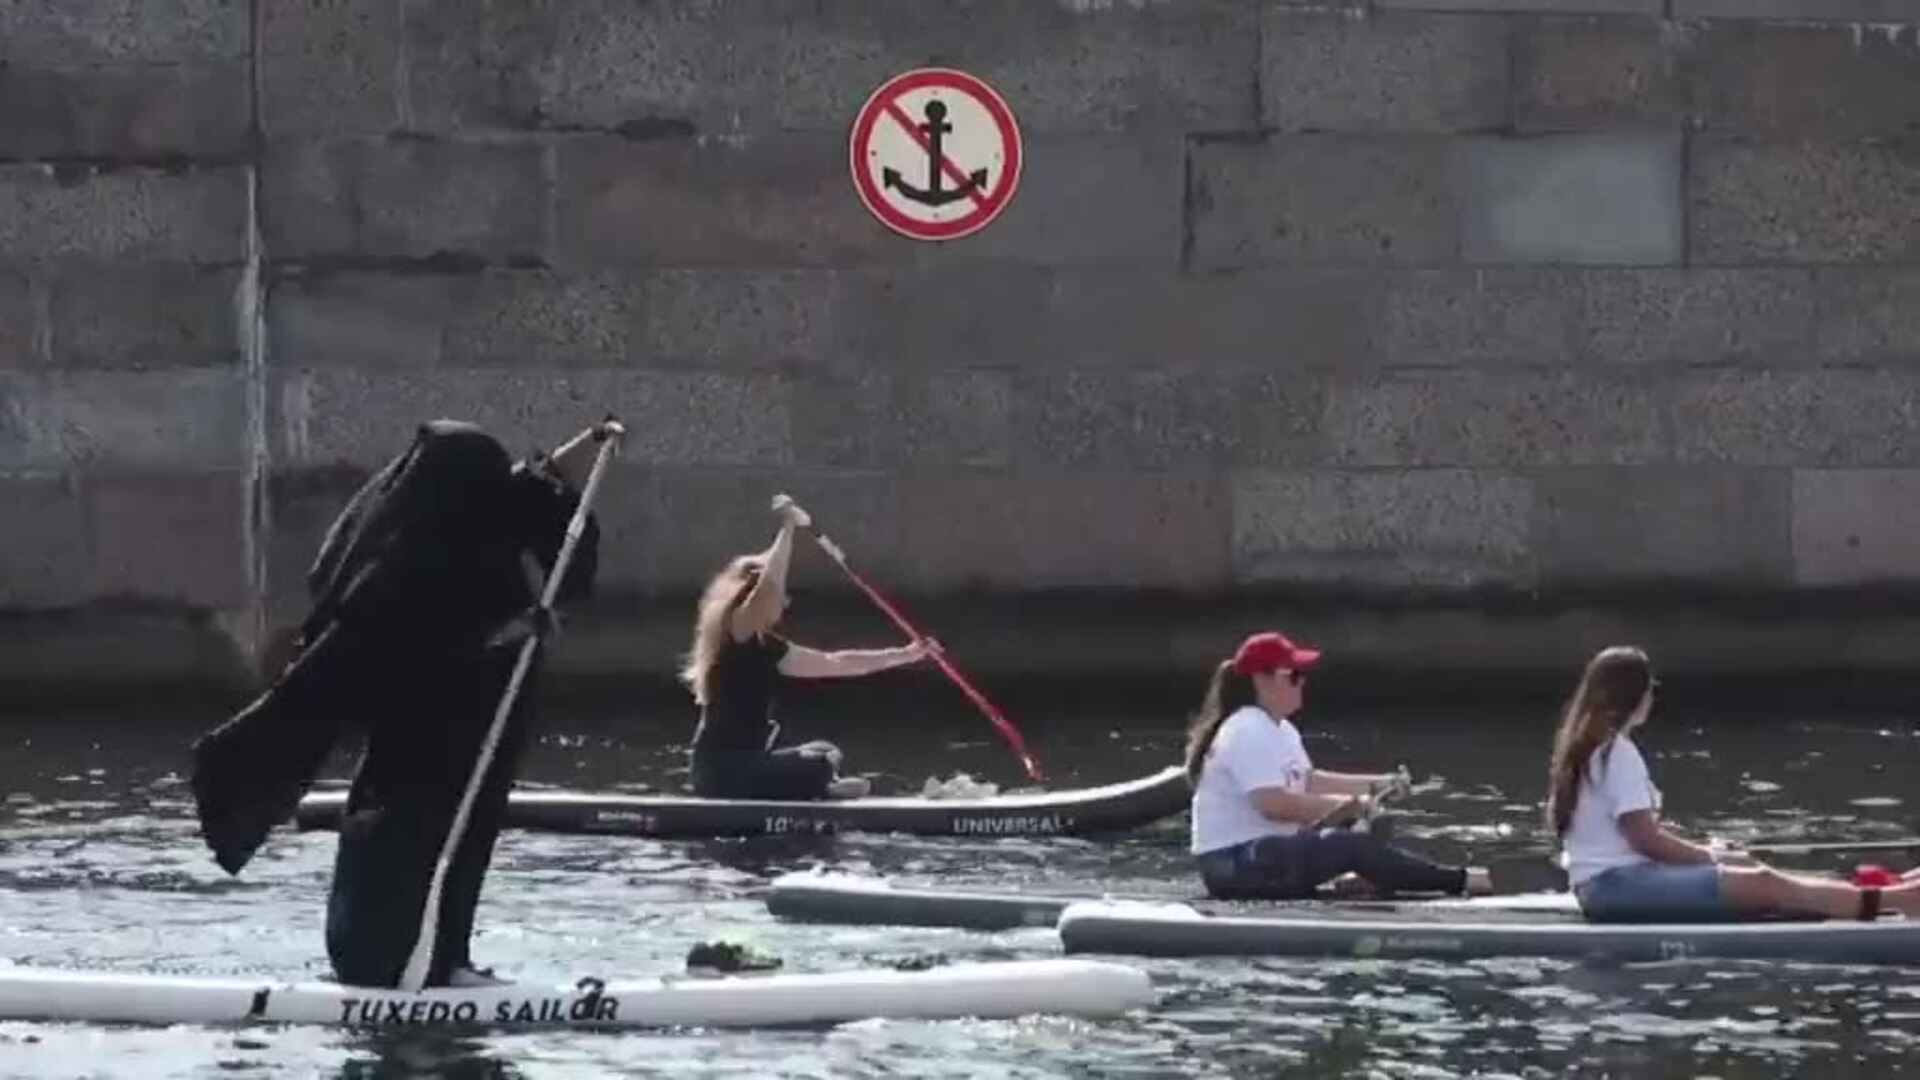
{"points": [[1453, 332]]}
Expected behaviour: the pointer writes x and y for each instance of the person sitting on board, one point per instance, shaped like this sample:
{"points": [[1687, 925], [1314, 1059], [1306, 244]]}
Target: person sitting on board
{"points": [[734, 669], [424, 589], [1260, 807], [1623, 864]]}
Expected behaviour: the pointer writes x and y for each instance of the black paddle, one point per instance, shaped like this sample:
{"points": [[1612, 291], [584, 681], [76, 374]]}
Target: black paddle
{"points": [[414, 976]]}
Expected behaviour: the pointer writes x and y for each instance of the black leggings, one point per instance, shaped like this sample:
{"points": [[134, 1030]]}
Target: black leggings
{"points": [[800, 773], [1292, 867]]}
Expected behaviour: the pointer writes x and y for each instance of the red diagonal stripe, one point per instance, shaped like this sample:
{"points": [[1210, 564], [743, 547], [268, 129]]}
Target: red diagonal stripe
{"points": [[953, 172]]}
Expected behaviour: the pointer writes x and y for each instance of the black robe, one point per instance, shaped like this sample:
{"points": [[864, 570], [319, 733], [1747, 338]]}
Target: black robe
{"points": [[412, 588]]}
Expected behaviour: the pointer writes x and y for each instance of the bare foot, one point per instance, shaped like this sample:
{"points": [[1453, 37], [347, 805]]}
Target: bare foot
{"points": [[849, 787]]}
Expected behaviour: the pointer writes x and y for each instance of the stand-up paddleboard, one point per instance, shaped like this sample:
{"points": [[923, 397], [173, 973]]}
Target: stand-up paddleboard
{"points": [[823, 897], [1109, 808], [990, 990], [1158, 929]]}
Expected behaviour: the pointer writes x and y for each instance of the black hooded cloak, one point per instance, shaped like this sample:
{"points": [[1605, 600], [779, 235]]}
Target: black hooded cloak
{"points": [[414, 584]]}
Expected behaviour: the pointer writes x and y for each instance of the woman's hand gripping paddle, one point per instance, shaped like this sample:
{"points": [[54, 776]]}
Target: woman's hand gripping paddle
{"points": [[938, 655], [609, 434]]}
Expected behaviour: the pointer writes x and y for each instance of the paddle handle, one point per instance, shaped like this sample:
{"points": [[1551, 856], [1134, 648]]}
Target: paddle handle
{"points": [[414, 976], [939, 657]]}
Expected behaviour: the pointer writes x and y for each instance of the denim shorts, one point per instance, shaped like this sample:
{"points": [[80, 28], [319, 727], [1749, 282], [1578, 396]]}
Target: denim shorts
{"points": [[1655, 892]]}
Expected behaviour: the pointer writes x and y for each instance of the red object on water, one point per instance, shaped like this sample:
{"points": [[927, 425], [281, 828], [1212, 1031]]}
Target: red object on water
{"points": [[1873, 875]]}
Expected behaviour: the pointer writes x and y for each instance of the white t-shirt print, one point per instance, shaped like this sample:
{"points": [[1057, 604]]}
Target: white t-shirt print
{"points": [[1616, 782], [1252, 750]]}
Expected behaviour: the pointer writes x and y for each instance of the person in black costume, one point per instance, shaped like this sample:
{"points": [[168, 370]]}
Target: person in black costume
{"points": [[424, 590], [735, 668]]}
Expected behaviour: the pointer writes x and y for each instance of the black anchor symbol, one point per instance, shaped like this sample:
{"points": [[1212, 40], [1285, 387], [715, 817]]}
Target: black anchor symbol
{"points": [[933, 194]]}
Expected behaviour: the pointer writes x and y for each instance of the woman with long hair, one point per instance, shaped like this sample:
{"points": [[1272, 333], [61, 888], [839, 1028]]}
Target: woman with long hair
{"points": [[734, 669], [1622, 863], [1264, 818]]}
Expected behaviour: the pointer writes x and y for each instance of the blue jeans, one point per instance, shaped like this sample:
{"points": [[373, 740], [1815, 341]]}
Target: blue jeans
{"points": [[1655, 892]]}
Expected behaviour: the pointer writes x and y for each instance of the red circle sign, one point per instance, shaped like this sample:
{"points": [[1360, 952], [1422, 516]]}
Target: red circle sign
{"points": [[935, 154]]}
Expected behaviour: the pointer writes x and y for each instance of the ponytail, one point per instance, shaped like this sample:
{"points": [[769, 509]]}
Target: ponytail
{"points": [[1227, 692]]}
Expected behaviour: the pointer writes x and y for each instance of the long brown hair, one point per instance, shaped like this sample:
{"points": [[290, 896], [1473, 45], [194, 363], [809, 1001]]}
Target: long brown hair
{"points": [[727, 591], [1227, 691], [1612, 687]]}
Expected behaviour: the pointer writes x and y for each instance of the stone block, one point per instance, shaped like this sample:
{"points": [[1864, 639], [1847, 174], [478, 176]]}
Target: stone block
{"points": [[668, 529], [330, 67], [22, 321], [43, 549], [879, 421], [480, 64], [1804, 81], [1157, 420], [497, 317], [1596, 74], [1834, 417], [373, 320], [933, 319], [1470, 418], [1448, 527], [187, 419], [526, 318], [741, 320], [1664, 523], [1593, 199], [85, 33], [342, 416], [1084, 200], [1556, 7], [1673, 317], [129, 215], [763, 66], [1321, 199], [1160, 319], [1328, 71], [1803, 202], [124, 113], [145, 318], [1842, 11], [406, 199], [175, 537], [1866, 314], [782, 200], [1855, 526], [1502, 317], [1049, 528]]}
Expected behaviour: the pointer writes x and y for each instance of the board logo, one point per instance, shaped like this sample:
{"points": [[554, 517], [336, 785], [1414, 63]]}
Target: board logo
{"points": [[935, 154]]}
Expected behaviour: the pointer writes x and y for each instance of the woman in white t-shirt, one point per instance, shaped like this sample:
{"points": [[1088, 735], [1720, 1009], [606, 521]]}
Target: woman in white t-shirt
{"points": [[1622, 863], [1260, 808]]}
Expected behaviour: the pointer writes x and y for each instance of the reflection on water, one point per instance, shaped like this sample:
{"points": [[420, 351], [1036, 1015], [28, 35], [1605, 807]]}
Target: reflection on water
{"points": [[101, 866]]}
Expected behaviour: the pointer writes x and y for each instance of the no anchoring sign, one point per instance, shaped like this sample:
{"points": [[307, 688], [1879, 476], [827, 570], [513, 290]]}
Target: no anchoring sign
{"points": [[935, 154]]}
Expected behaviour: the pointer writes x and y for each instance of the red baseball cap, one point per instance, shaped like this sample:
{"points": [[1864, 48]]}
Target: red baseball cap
{"points": [[1268, 651]]}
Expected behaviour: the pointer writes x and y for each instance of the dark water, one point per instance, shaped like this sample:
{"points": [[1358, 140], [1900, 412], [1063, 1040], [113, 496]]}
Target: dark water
{"points": [[100, 866]]}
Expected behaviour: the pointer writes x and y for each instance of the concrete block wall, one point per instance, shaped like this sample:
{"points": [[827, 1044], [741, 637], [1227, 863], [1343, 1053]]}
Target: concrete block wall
{"points": [[1424, 326]]}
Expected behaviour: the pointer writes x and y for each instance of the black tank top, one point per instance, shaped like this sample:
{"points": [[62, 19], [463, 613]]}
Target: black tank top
{"points": [[737, 720]]}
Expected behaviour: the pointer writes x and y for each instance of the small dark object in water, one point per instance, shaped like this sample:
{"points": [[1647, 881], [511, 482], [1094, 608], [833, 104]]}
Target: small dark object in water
{"points": [[726, 957], [923, 962]]}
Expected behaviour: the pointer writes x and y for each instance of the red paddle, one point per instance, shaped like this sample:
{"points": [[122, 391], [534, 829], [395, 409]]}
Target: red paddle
{"points": [[939, 656]]}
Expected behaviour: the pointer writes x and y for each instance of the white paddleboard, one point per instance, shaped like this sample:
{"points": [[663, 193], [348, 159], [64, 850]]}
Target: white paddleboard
{"points": [[990, 990]]}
